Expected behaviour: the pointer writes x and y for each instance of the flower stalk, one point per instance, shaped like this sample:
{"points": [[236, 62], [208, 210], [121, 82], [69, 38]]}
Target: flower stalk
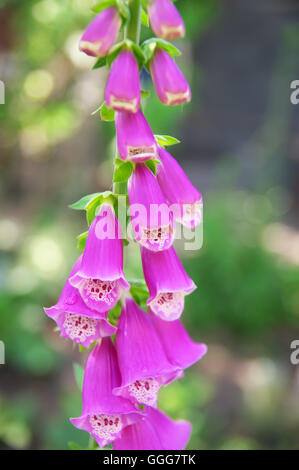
{"points": [[138, 343]]}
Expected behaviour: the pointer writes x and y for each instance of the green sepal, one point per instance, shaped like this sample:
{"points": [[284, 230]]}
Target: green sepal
{"points": [[122, 171], [144, 18], [126, 44], [124, 10], [91, 204], [106, 113], [152, 165], [145, 94], [101, 62], [149, 46], [166, 140], [82, 240]]}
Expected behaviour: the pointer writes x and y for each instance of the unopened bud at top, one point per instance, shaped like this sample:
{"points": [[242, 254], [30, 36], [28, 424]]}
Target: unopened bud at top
{"points": [[101, 33], [165, 20]]}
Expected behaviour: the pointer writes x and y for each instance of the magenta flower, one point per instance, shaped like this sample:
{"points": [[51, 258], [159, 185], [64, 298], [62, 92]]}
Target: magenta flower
{"points": [[165, 20], [152, 221], [179, 191], [142, 360], [123, 87], [167, 281], [181, 351], [170, 84], [75, 320], [155, 432], [104, 415], [101, 33], [100, 278], [135, 140]]}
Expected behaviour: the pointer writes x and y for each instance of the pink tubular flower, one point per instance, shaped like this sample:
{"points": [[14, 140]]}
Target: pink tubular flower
{"points": [[151, 218], [104, 415], [179, 191], [101, 33], [165, 20], [142, 360], [135, 140], [181, 351], [123, 87], [167, 282], [170, 84], [100, 277], [154, 432], [75, 320]]}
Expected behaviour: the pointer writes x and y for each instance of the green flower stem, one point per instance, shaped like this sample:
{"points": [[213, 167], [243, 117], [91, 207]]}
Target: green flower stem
{"points": [[132, 32]]}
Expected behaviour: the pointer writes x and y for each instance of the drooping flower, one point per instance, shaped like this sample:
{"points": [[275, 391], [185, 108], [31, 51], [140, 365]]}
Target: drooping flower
{"points": [[181, 351], [104, 415], [165, 20], [142, 361], [123, 87], [152, 221], [101, 33], [135, 140], [155, 431], [170, 84], [100, 278], [75, 320], [179, 191], [167, 281]]}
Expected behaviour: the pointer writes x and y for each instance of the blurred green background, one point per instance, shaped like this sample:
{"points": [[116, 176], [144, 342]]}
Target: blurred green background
{"points": [[240, 147]]}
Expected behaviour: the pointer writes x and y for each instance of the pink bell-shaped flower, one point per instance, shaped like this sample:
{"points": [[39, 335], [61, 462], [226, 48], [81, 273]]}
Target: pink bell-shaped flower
{"points": [[184, 199], [142, 361], [101, 33], [100, 278], [135, 139], [75, 320], [155, 431], [165, 20], [104, 415], [167, 281], [170, 84], [122, 91], [180, 350], [152, 221]]}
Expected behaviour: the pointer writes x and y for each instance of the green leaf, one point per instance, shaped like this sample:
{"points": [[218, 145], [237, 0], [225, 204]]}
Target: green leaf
{"points": [[122, 172], [101, 62], [149, 46], [82, 240], [79, 374], [107, 114], [144, 18], [84, 201], [102, 5], [166, 140], [114, 314]]}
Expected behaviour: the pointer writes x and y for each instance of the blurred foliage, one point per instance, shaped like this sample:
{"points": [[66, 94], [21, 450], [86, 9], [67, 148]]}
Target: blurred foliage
{"points": [[242, 395]]}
